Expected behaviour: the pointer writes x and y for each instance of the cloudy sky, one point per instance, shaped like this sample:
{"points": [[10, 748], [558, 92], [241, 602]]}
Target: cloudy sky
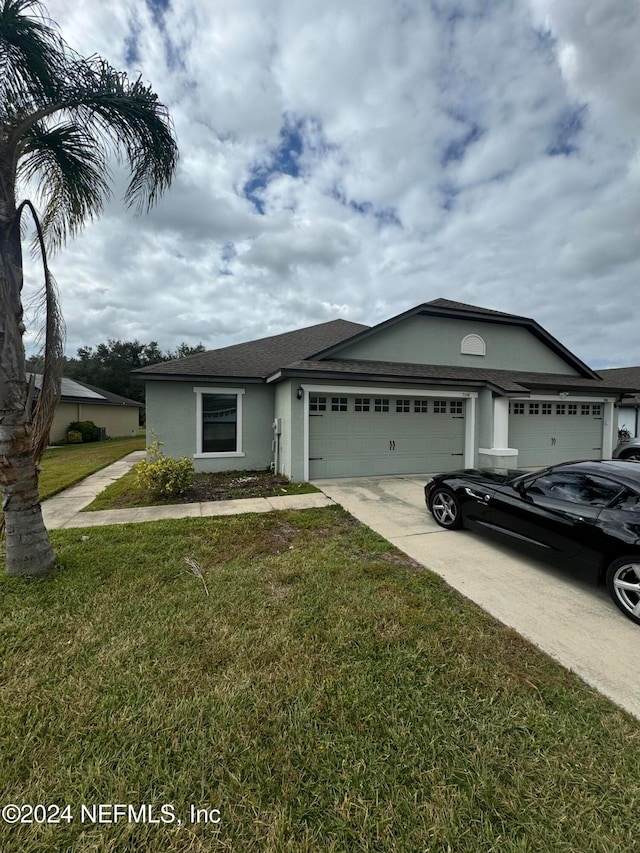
{"points": [[354, 158]]}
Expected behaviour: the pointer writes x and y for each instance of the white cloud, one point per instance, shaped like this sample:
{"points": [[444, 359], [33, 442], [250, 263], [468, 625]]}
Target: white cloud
{"points": [[483, 152]]}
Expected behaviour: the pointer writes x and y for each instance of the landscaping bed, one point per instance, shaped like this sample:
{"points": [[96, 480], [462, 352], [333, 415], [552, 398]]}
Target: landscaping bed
{"points": [[224, 486]]}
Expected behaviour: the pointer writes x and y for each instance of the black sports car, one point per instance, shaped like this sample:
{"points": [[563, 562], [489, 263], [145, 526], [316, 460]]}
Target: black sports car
{"points": [[583, 516]]}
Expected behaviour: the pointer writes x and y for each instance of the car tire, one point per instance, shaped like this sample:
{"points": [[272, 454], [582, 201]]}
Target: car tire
{"points": [[623, 583], [445, 508]]}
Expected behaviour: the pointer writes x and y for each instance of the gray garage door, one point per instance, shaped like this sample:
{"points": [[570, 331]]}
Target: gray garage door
{"points": [[547, 432], [352, 436]]}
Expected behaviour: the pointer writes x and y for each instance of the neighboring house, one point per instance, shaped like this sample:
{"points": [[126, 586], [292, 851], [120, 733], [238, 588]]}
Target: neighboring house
{"points": [[442, 386], [118, 416], [629, 411]]}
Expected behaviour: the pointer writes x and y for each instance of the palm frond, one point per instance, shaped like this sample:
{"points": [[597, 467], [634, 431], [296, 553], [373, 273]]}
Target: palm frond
{"points": [[32, 56], [53, 335], [130, 116], [64, 115], [71, 173]]}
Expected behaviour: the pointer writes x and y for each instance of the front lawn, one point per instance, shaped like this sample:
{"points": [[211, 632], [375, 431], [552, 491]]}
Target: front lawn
{"points": [[307, 680], [66, 465]]}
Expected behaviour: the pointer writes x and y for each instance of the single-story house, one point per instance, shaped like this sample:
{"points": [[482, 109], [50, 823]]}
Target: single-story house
{"points": [[438, 387], [118, 416], [629, 410]]}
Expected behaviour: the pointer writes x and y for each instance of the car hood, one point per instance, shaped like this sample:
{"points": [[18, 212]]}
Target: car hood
{"points": [[488, 475]]}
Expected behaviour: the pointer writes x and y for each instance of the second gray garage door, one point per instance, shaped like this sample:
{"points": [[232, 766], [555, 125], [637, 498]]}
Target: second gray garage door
{"points": [[352, 436], [546, 433]]}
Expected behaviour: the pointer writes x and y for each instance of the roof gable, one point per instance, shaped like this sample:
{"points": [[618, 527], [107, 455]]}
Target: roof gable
{"points": [[470, 319]]}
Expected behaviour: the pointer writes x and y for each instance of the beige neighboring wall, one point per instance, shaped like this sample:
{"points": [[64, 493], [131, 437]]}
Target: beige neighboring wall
{"points": [[117, 420]]}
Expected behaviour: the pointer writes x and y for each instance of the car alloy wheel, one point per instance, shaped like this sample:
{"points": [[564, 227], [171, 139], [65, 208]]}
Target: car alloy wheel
{"points": [[446, 509], [623, 582]]}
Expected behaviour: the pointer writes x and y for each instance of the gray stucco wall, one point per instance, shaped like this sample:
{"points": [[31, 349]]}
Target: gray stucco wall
{"points": [[171, 417], [433, 340]]}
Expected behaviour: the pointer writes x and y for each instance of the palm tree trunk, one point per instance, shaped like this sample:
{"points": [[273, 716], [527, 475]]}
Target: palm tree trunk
{"points": [[28, 547]]}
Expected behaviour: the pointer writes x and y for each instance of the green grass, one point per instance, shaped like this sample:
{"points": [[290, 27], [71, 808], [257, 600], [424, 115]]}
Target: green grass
{"points": [[326, 695], [65, 466]]}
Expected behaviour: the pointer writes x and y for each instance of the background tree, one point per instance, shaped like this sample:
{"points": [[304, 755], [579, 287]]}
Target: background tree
{"points": [[61, 116], [109, 365]]}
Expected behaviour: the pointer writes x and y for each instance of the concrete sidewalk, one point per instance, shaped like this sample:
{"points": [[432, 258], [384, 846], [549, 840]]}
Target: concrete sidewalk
{"points": [[65, 509]]}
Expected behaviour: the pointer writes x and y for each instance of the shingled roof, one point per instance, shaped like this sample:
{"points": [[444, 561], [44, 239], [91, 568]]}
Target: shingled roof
{"points": [[255, 359], [629, 377], [508, 382], [315, 350]]}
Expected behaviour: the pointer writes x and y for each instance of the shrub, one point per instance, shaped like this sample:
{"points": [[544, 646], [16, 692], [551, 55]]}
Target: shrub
{"points": [[74, 437], [162, 476], [87, 429]]}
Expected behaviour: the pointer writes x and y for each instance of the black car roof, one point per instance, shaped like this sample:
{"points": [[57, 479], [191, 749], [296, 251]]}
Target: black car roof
{"points": [[625, 472]]}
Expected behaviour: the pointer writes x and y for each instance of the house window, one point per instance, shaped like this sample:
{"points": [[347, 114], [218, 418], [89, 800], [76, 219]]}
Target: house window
{"points": [[561, 408], [473, 345], [455, 407], [403, 405], [421, 406], [363, 404], [440, 407], [547, 408], [381, 404], [219, 422], [338, 404], [597, 410], [534, 408], [317, 404], [572, 408], [585, 409], [518, 408]]}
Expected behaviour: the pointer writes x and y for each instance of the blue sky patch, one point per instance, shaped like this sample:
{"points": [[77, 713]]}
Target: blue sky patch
{"points": [[281, 160], [566, 132], [455, 150]]}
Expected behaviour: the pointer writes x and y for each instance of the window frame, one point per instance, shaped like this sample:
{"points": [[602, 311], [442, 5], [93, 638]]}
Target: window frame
{"points": [[201, 392]]}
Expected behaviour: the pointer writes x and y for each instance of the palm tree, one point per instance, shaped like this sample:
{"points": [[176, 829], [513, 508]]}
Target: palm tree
{"points": [[61, 117]]}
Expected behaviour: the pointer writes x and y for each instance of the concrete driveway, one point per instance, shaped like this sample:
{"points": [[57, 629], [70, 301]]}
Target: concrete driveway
{"points": [[572, 621]]}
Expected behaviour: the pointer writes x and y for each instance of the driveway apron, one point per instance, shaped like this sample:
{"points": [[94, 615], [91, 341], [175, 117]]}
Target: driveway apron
{"points": [[574, 622]]}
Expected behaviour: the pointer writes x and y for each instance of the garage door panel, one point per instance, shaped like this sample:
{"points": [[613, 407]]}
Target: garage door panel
{"points": [[547, 433], [403, 437]]}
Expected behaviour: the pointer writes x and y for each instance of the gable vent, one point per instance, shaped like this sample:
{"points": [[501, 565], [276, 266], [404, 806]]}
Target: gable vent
{"points": [[473, 345]]}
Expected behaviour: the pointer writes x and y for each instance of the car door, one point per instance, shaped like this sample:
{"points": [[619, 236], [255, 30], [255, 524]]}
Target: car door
{"points": [[553, 514]]}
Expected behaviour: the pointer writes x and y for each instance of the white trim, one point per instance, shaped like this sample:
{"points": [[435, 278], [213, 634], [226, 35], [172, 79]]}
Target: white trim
{"points": [[369, 391], [199, 391], [568, 398]]}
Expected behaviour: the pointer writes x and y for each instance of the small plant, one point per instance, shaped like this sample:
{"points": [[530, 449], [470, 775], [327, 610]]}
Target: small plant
{"points": [[195, 569], [623, 433], [162, 476], [87, 429], [74, 437]]}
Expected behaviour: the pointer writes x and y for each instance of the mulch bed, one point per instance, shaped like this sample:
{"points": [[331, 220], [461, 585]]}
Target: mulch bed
{"points": [[241, 484]]}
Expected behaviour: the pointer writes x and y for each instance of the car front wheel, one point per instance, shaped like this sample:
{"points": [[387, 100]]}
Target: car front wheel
{"points": [[446, 509], [623, 583]]}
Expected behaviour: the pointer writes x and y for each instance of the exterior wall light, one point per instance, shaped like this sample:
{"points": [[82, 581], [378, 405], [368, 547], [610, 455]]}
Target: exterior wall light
{"points": [[300, 392]]}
